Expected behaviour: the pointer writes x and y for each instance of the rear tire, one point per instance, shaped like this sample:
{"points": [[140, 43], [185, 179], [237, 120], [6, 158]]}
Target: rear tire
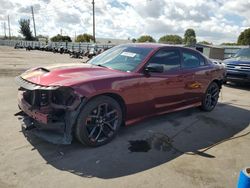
{"points": [[211, 97], [99, 121]]}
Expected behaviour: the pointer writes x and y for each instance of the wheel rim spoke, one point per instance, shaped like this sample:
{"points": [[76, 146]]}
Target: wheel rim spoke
{"points": [[215, 94], [107, 134], [111, 120], [93, 116], [92, 132], [103, 118], [209, 101], [212, 97], [111, 112], [98, 135], [105, 111], [109, 126], [99, 110]]}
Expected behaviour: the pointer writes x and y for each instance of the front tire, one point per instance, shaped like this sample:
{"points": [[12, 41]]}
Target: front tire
{"points": [[99, 121], [211, 97]]}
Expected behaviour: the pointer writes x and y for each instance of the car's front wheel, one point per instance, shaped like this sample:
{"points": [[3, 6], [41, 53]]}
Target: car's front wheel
{"points": [[211, 97], [99, 121]]}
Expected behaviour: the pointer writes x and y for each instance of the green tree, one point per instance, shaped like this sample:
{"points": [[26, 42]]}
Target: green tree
{"points": [[244, 37], [189, 37], [171, 39], [61, 38], [205, 42], [133, 40], [84, 38], [145, 38], [191, 41], [25, 29]]}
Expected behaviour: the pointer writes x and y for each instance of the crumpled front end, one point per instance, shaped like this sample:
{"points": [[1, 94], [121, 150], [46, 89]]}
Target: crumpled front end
{"points": [[51, 111]]}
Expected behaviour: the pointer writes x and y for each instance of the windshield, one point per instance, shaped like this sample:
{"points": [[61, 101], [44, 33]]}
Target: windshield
{"points": [[123, 58], [245, 53]]}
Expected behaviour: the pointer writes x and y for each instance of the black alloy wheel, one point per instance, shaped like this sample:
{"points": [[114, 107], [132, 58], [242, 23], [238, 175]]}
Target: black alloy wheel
{"points": [[211, 97], [99, 121]]}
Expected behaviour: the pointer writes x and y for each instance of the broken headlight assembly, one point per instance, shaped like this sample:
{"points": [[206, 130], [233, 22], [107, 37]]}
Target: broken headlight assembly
{"points": [[61, 98], [65, 98]]}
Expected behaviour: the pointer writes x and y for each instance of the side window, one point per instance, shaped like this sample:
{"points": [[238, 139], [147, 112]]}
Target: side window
{"points": [[202, 61], [170, 59], [190, 60]]}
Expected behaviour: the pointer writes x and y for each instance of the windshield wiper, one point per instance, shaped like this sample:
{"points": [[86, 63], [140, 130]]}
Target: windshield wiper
{"points": [[99, 65]]}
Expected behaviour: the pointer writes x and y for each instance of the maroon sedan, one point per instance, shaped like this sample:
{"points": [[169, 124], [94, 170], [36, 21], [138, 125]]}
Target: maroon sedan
{"points": [[118, 87]]}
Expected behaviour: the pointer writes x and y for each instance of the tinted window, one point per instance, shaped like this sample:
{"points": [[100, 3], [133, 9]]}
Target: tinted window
{"points": [[190, 60], [202, 60], [170, 59]]}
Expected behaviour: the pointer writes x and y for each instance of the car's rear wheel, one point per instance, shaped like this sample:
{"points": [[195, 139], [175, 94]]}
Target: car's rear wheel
{"points": [[99, 121], [211, 97]]}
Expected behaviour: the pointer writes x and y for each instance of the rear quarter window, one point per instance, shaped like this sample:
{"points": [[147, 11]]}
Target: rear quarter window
{"points": [[192, 59], [202, 60]]}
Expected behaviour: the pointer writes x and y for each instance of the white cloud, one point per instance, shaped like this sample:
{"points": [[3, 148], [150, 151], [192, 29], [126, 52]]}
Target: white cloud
{"points": [[213, 20]]}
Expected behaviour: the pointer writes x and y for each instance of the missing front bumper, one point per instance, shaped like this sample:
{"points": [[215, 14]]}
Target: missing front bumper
{"points": [[41, 124], [53, 133], [49, 112]]}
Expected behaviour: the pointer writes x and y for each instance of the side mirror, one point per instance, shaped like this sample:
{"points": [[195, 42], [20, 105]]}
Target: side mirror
{"points": [[154, 68]]}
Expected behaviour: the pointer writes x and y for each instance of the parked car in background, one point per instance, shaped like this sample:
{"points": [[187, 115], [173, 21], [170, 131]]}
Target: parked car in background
{"points": [[238, 67], [121, 86], [93, 51]]}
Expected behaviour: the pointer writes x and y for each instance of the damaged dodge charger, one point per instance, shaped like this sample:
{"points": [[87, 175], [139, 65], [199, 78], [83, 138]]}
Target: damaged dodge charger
{"points": [[121, 86]]}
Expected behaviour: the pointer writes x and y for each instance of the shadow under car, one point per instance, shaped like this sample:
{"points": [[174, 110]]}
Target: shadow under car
{"points": [[147, 144]]}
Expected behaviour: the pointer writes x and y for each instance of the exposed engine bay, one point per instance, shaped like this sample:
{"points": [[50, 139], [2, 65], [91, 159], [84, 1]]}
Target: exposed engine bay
{"points": [[49, 108]]}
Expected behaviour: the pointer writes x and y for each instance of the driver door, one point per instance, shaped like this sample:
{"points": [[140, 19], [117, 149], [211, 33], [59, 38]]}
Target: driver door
{"points": [[165, 89]]}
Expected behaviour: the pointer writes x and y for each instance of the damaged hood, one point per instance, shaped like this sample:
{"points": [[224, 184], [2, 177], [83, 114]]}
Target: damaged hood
{"points": [[68, 74]]}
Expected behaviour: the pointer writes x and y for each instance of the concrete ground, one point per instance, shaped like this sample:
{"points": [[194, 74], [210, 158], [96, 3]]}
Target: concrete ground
{"points": [[188, 148]]}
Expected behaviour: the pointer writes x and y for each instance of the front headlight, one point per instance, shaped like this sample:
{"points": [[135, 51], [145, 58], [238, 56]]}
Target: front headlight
{"points": [[63, 96]]}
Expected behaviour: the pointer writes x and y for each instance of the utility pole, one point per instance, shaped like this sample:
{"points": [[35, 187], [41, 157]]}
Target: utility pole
{"points": [[61, 31], [9, 27], [4, 27], [93, 3], [33, 17]]}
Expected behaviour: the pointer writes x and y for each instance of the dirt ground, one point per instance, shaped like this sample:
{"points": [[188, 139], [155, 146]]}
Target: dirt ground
{"points": [[188, 148]]}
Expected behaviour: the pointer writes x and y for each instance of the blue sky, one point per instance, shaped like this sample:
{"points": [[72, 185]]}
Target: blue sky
{"points": [[215, 21]]}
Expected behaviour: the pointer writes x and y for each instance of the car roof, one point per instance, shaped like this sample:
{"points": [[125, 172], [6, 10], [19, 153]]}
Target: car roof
{"points": [[154, 45]]}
